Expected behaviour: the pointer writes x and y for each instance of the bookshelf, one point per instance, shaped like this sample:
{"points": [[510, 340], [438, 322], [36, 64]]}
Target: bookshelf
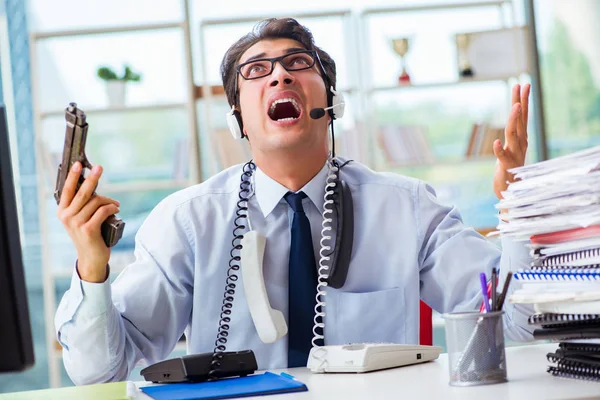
{"points": [[406, 135]]}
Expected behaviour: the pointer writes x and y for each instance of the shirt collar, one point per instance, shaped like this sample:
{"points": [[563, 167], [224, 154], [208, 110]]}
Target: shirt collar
{"points": [[269, 192]]}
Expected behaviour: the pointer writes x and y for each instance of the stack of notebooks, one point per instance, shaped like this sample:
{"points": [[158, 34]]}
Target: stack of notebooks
{"points": [[555, 206]]}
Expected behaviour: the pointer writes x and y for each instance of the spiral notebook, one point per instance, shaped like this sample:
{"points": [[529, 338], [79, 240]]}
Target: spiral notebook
{"points": [[558, 275], [580, 258], [550, 319], [589, 331], [568, 270], [567, 347], [576, 360]]}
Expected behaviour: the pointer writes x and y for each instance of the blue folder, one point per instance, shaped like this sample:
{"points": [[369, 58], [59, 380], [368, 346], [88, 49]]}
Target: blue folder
{"points": [[252, 385]]}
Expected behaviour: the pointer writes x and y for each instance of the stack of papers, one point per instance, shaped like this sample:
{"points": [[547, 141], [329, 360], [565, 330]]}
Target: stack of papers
{"points": [[555, 206], [555, 195]]}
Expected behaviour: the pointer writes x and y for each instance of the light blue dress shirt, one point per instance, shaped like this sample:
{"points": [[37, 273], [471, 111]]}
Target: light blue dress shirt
{"points": [[407, 247]]}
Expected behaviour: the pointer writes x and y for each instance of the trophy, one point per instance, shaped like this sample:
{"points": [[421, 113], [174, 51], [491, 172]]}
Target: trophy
{"points": [[464, 66], [401, 48]]}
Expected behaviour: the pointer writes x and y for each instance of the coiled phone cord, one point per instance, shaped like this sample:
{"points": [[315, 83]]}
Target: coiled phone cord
{"points": [[323, 272], [325, 256], [234, 266]]}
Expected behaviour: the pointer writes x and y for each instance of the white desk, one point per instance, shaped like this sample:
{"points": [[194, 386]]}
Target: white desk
{"points": [[527, 379]]}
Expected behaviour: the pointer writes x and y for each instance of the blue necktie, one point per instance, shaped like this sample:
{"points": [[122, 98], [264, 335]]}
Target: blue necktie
{"points": [[302, 287]]}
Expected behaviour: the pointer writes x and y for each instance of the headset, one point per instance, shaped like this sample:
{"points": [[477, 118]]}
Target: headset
{"points": [[234, 122], [335, 105]]}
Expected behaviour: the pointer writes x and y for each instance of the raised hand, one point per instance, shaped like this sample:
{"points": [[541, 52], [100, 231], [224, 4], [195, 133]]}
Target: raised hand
{"points": [[513, 153], [82, 213]]}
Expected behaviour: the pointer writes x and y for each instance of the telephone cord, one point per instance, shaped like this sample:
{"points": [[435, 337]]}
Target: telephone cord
{"points": [[324, 261], [234, 266]]}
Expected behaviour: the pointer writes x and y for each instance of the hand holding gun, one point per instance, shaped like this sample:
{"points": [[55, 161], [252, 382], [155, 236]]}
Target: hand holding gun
{"points": [[88, 217]]}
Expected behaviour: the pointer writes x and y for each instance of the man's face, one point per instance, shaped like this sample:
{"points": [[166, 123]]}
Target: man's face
{"points": [[275, 108]]}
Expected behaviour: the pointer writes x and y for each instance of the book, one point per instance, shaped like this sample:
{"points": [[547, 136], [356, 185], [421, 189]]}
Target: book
{"points": [[541, 251], [549, 319], [251, 385], [472, 138], [489, 137], [579, 258], [567, 235], [588, 269], [558, 275], [585, 347], [575, 360], [568, 307], [404, 145], [575, 372], [481, 140], [591, 331], [547, 297]]}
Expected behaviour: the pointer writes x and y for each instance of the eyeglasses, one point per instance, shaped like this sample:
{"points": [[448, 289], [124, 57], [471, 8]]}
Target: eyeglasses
{"points": [[296, 61]]}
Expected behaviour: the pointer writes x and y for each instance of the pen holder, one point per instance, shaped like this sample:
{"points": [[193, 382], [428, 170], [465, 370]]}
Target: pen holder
{"points": [[475, 344]]}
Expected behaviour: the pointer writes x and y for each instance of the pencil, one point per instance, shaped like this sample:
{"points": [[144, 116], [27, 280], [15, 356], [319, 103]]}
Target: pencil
{"points": [[494, 294], [504, 290]]}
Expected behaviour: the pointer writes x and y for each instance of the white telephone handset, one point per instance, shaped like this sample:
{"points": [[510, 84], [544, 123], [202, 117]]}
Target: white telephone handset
{"points": [[270, 323]]}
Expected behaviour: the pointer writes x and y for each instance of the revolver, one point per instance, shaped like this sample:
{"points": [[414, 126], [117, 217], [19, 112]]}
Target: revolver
{"points": [[74, 150]]}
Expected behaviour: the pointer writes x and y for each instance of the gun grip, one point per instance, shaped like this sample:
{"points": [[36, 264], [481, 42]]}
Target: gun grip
{"points": [[112, 230]]}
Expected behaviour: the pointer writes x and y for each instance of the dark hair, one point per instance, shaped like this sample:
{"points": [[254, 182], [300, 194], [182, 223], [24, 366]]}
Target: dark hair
{"points": [[273, 28]]}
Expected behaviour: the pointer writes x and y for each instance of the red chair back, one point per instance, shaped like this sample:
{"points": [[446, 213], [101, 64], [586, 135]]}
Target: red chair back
{"points": [[425, 325]]}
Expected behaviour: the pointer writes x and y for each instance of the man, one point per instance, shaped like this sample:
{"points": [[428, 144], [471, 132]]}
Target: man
{"points": [[407, 246]]}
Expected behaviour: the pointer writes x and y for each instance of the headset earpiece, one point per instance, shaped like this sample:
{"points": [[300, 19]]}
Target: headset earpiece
{"points": [[338, 103], [234, 122]]}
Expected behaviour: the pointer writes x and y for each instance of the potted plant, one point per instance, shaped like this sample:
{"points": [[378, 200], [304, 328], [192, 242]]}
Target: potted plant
{"points": [[116, 85]]}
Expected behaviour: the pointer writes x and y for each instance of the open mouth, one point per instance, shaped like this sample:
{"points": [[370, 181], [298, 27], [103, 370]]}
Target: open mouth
{"points": [[284, 110]]}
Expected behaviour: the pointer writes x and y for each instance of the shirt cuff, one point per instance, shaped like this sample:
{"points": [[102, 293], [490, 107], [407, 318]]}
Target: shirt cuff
{"points": [[97, 297]]}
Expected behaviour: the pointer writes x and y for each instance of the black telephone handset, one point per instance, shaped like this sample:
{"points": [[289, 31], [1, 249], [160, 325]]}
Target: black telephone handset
{"points": [[197, 367], [340, 261]]}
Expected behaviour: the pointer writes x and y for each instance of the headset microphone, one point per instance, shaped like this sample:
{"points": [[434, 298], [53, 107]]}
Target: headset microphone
{"points": [[317, 113]]}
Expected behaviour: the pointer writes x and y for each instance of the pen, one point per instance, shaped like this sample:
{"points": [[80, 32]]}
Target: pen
{"points": [[494, 294], [486, 298], [504, 290], [482, 306]]}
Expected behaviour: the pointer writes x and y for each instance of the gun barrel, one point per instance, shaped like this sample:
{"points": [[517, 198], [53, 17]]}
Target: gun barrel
{"points": [[74, 147]]}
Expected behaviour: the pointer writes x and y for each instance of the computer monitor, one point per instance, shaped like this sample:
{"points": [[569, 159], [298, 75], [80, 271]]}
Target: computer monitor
{"points": [[16, 344]]}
